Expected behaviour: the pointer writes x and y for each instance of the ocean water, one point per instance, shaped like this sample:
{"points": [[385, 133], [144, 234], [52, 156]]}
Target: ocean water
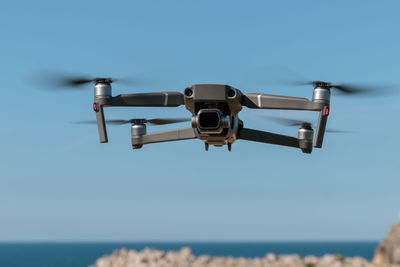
{"points": [[84, 254]]}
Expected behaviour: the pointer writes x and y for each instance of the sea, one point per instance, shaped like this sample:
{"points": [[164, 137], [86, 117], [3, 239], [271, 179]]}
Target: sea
{"points": [[85, 254]]}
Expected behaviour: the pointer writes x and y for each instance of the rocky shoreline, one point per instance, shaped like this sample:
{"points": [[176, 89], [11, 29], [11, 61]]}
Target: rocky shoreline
{"points": [[185, 258], [386, 254], [388, 250]]}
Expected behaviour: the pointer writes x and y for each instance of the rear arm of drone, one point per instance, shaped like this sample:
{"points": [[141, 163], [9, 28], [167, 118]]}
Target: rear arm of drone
{"points": [[104, 99], [264, 101], [166, 136], [267, 137]]}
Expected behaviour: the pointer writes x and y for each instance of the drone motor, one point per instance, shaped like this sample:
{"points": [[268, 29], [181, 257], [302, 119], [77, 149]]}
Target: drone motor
{"points": [[321, 93], [138, 129], [102, 89], [305, 137]]}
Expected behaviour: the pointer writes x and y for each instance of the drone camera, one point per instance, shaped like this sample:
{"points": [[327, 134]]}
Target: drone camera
{"points": [[210, 121], [231, 93], [188, 92], [305, 137]]}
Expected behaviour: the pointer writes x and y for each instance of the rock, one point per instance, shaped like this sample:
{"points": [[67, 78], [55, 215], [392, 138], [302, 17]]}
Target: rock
{"points": [[270, 257], [357, 262], [185, 258], [290, 260], [388, 251], [328, 260], [310, 260]]}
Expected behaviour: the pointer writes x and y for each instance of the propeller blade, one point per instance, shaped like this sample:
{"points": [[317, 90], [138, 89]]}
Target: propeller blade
{"points": [[352, 88], [328, 130], [151, 121], [118, 122], [286, 121], [291, 122], [72, 81], [282, 75], [52, 80], [360, 89], [112, 122], [167, 121], [299, 83]]}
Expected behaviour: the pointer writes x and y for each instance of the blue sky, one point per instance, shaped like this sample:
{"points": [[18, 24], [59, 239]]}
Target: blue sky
{"points": [[57, 183]]}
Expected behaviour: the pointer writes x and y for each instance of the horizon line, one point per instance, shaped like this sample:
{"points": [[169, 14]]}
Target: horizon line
{"points": [[181, 241]]}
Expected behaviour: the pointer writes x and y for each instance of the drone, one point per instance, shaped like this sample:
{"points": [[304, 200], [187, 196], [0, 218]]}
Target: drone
{"points": [[215, 113]]}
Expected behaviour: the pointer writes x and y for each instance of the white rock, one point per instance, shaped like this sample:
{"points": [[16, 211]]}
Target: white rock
{"points": [[185, 258], [310, 260], [271, 257]]}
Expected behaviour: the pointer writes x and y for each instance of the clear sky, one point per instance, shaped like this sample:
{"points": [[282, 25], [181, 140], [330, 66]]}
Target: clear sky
{"points": [[57, 183]]}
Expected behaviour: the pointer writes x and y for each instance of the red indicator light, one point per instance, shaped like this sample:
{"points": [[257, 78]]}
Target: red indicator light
{"points": [[326, 111], [95, 107]]}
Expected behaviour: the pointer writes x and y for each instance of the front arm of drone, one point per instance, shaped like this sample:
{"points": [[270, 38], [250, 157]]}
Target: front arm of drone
{"points": [[103, 98], [320, 102]]}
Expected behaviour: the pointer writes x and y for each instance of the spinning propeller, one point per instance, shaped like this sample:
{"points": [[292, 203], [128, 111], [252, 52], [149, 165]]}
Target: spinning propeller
{"points": [[70, 82], [305, 124], [84, 80], [348, 88], [157, 121]]}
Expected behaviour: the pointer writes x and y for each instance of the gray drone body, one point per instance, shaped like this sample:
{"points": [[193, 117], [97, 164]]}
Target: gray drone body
{"points": [[215, 110]]}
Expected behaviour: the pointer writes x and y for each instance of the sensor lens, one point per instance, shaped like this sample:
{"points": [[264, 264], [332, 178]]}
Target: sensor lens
{"points": [[188, 92], [209, 120]]}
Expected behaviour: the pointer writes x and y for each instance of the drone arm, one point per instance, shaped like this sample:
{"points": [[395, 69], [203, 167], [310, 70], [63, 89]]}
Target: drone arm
{"points": [[101, 124], [320, 131], [166, 136], [267, 137], [161, 99], [263, 101]]}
